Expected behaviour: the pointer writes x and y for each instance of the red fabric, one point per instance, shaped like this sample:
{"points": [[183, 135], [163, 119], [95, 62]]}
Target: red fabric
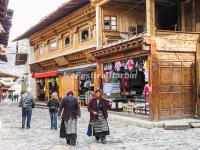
{"points": [[125, 83], [45, 74], [70, 93], [147, 93], [130, 64]]}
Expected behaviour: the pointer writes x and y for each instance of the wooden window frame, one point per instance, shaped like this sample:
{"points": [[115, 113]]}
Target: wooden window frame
{"points": [[81, 40], [110, 26], [50, 42], [39, 52], [68, 45]]}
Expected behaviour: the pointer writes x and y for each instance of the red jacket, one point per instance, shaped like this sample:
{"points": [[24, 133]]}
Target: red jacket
{"points": [[92, 107]]}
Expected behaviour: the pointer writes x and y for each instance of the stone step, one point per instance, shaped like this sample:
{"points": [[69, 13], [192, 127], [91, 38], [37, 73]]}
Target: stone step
{"points": [[195, 124], [177, 126]]}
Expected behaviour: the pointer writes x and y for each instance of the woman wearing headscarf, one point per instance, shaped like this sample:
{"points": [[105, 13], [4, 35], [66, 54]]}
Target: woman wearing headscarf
{"points": [[98, 108], [53, 105], [70, 112]]}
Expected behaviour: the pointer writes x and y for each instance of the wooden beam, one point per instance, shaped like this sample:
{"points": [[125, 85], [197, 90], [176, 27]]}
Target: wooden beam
{"points": [[150, 17], [98, 26]]}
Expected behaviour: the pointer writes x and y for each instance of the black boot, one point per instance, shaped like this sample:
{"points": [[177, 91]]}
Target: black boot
{"points": [[97, 138], [68, 142], [103, 139], [73, 142]]}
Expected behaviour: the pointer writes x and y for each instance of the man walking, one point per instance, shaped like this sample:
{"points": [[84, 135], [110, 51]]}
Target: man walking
{"points": [[27, 103]]}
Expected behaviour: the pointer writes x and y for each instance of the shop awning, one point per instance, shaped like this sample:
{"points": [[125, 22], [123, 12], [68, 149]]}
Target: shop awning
{"points": [[77, 69], [45, 74]]}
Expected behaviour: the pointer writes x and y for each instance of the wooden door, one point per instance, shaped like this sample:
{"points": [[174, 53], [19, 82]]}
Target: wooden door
{"points": [[176, 96], [69, 83]]}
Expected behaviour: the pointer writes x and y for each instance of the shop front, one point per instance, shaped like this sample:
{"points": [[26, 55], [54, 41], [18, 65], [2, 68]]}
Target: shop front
{"points": [[125, 76], [46, 84], [125, 81], [80, 80]]}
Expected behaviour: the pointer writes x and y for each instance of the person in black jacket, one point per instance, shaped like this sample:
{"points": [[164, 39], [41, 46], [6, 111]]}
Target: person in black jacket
{"points": [[53, 105]]}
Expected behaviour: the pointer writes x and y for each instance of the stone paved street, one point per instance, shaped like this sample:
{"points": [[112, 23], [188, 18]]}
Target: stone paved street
{"points": [[123, 135]]}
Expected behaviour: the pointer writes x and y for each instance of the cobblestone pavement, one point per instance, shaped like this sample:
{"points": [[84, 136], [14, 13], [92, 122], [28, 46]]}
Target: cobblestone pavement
{"points": [[123, 135]]}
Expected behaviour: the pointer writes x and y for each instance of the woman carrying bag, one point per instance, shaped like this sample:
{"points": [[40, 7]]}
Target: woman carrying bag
{"points": [[53, 105], [70, 112], [98, 108]]}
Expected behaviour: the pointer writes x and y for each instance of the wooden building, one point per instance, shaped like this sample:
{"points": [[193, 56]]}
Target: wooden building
{"points": [[62, 43], [157, 39], [4, 88], [5, 25]]}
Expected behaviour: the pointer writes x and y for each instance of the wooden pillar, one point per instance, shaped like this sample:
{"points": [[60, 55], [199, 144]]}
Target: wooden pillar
{"points": [[153, 62], [98, 26], [60, 84], [75, 78], [150, 17], [47, 88], [60, 42], [198, 78], [97, 75]]}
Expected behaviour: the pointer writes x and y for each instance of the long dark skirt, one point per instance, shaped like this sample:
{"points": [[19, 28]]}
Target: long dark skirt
{"points": [[100, 128], [68, 129]]}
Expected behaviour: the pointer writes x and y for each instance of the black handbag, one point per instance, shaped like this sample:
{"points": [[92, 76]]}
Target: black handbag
{"points": [[33, 105]]}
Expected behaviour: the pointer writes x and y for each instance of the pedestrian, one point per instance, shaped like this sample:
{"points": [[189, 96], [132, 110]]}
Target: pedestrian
{"points": [[53, 105], [10, 96], [70, 110], [27, 103], [98, 108], [14, 97], [17, 97]]}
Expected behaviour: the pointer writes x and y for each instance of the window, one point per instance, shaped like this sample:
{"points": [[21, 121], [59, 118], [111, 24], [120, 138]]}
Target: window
{"points": [[41, 50], [85, 35], [110, 23], [67, 41], [53, 45], [107, 23]]}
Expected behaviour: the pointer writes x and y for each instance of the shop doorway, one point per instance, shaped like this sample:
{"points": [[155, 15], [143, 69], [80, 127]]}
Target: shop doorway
{"points": [[41, 89], [85, 87], [126, 83], [53, 86]]}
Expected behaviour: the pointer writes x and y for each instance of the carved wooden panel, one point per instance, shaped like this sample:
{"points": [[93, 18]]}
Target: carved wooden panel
{"points": [[177, 100], [165, 102], [183, 42], [187, 72], [61, 61], [164, 76], [177, 76]]}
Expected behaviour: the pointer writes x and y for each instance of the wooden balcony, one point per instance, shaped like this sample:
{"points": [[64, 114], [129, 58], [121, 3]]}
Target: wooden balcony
{"points": [[176, 41]]}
